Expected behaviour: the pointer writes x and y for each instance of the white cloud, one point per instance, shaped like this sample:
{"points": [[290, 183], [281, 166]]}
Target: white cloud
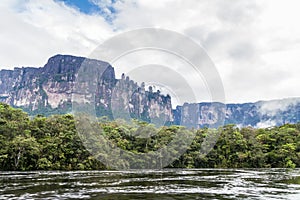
{"points": [[271, 108], [266, 124], [34, 30], [255, 44]]}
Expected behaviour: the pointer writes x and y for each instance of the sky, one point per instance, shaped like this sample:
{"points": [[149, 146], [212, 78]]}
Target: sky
{"points": [[254, 44]]}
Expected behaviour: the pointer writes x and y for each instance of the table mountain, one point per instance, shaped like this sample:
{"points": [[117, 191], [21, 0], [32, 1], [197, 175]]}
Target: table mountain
{"points": [[259, 114], [48, 90]]}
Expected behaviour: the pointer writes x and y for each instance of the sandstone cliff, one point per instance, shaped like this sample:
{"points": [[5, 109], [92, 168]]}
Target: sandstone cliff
{"points": [[48, 90]]}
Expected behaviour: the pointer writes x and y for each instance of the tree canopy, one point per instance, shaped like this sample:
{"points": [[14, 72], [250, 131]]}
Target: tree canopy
{"points": [[52, 143]]}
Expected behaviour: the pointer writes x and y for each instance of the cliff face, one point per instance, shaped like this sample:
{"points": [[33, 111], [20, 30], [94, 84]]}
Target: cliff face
{"points": [[20, 87], [142, 104], [259, 114], [48, 90]]}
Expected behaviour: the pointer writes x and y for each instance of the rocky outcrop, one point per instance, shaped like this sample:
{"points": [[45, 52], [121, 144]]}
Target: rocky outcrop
{"points": [[259, 114], [133, 101], [49, 89]]}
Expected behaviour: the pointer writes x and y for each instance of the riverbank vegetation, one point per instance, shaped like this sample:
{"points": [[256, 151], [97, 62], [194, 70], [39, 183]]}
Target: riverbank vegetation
{"points": [[52, 143]]}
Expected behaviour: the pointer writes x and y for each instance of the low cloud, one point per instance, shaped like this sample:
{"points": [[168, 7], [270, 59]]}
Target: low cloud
{"points": [[271, 108], [272, 113], [266, 124]]}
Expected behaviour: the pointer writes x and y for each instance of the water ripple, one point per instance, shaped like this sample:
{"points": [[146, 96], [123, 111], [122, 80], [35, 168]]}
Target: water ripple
{"points": [[153, 184]]}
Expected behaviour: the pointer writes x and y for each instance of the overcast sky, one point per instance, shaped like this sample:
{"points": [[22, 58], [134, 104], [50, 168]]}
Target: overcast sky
{"points": [[255, 45]]}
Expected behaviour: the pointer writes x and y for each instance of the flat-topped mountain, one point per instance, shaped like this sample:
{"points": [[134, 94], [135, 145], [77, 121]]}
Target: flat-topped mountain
{"points": [[258, 114], [48, 90]]}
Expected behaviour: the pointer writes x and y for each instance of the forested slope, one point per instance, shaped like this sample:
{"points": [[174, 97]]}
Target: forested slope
{"points": [[52, 143]]}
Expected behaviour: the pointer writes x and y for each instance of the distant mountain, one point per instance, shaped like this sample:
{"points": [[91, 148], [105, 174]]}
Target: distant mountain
{"points": [[259, 114], [48, 90]]}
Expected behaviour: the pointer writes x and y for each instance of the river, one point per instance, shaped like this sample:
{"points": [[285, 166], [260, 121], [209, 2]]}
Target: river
{"points": [[164, 184]]}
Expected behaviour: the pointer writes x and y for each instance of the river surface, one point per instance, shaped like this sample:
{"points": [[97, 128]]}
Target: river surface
{"points": [[152, 184]]}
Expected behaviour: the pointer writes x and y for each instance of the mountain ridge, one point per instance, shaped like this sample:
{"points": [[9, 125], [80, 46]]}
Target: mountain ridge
{"points": [[48, 90]]}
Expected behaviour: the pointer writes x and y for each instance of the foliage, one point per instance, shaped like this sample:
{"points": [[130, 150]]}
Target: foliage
{"points": [[52, 143]]}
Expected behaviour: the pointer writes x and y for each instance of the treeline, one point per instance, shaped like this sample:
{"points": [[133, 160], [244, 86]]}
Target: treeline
{"points": [[52, 143]]}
